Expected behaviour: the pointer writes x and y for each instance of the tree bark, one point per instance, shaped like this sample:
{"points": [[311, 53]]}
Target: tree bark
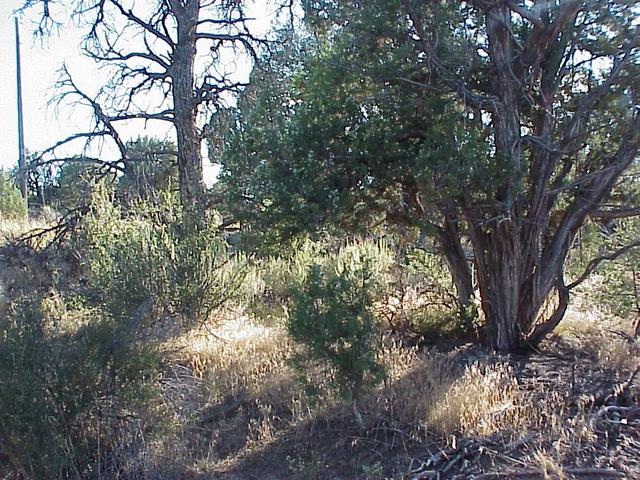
{"points": [[185, 108], [454, 254]]}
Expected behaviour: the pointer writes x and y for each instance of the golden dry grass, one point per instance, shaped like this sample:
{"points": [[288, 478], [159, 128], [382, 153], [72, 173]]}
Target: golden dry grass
{"points": [[12, 229], [592, 329], [426, 395], [237, 374], [433, 395]]}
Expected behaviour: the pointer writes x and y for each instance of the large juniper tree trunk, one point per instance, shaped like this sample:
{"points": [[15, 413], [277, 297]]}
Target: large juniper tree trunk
{"points": [[185, 108], [498, 263], [498, 252]]}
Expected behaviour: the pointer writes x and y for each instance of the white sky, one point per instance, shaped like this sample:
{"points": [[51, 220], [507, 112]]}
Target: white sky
{"points": [[40, 63], [41, 60]]}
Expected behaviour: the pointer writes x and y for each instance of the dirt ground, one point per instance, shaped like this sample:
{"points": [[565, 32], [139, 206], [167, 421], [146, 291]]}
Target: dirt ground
{"points": [[587, 425]]}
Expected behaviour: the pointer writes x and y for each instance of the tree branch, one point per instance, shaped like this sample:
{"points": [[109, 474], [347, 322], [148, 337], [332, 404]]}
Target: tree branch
{"points": [[623, 212], [593, 264], [451, 80], [145, 25]]}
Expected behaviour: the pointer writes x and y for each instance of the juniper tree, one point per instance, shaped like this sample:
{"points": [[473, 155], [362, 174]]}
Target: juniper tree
{"points": [[500, 125]]}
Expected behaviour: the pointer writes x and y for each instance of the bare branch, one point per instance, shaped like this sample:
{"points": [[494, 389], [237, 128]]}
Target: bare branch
{"points": [[544, 34], [623, 212], [145, 25], [593, 264], [224, 21], [101, 164], [164, 116]]}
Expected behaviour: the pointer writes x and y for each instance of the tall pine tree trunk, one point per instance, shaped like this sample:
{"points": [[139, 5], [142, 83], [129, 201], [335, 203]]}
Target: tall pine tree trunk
{"points": [[190, 171]]}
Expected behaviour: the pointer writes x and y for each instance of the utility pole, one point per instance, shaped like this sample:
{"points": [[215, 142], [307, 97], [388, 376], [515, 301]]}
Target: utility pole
{"points": [[22, 167]]}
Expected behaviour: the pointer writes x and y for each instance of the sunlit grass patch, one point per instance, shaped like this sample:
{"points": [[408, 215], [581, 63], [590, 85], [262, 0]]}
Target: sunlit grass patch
{"points": [[592, 329], [433, 394], [11, 229]]}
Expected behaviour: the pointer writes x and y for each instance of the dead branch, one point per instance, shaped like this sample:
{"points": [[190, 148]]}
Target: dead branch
{"points": [[536, 474], [593, 264], [622, 212], [610, 397]]}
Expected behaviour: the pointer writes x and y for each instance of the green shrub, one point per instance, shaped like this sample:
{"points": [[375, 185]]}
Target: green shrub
{"points": [[150, 263], [267, 290], [332, 316], [614, 285], [12, 206], [73, 393]]}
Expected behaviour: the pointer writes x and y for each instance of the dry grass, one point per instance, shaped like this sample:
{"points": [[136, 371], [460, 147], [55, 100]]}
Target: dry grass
{"points": [[603, 335], [434, 395], [548, 466], [422, 391], [241, 377], [231, 393], [241, 372], [12, 229], [240, 357]]}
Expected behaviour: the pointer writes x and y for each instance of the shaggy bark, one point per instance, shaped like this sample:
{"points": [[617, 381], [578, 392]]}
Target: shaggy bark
{"points": [[521, 237]]}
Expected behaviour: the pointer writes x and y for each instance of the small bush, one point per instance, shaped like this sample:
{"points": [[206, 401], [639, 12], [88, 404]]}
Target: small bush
{"points": [[12, 206], [149, 263], [332, 316], [74, 390]]}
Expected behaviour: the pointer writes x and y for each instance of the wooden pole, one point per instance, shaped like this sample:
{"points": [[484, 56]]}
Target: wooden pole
{"points": [[22, 167]]}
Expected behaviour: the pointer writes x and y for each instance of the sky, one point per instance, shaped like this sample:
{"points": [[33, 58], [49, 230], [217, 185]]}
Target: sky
{"points": [[41, 62]]}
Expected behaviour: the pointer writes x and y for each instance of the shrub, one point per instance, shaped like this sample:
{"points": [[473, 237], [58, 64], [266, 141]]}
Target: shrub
{"points": [[614, 285], [74, 390], [268, 289], [150, 262], [332, 316], [12, 206]]}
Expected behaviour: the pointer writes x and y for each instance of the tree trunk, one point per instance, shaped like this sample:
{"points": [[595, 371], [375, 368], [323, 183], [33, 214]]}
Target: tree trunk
{"points": [[449, 242], [185, 107], [497, 252], [498, 262]]}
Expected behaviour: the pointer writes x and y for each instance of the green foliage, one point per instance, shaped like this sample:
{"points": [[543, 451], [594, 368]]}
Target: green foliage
{"points": [[151, 171], [74, 386], [151, 262], [332, 316], [324, 140], [75, 181], [614, 285], [398, 113], [267, 289], [428, 306], [12, 206]]}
